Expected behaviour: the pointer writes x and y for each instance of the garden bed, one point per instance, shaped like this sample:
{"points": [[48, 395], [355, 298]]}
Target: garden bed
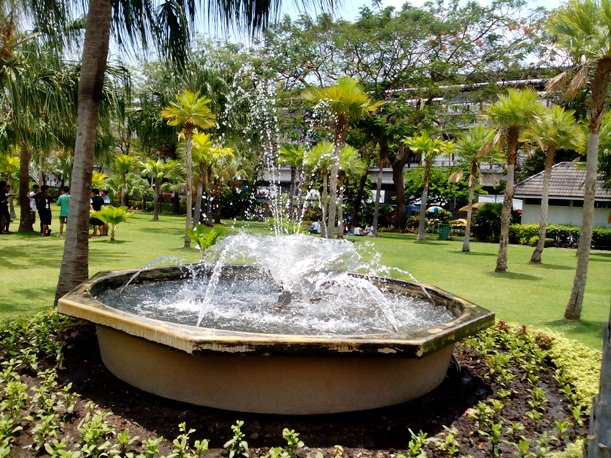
{"points": [[509, 398]]}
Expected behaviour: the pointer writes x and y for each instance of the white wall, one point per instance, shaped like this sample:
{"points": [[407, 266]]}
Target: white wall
{"points": [[531, 214]]}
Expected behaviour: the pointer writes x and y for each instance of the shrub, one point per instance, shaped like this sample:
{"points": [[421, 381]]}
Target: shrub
{"points": [[524, 234], [487, 222]]}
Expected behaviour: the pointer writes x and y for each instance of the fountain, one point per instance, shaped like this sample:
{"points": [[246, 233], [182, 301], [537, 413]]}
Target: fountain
{"points": [[285, 325]]}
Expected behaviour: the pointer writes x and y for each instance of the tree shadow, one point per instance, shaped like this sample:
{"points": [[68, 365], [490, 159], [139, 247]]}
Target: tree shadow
{"points": [[473, 253], [551, 266], [514, 276], [600, 257], [572, 328]]}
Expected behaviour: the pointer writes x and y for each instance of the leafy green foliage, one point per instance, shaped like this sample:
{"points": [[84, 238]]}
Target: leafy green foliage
{"points": [[204, 237], [113, 216]]}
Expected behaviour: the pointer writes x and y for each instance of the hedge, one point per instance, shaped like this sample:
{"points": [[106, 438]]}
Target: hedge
{"points": [[526, 234]]}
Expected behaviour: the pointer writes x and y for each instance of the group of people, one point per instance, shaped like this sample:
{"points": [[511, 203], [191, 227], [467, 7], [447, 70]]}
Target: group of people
{"points": [[40, 202], [358, 231]]}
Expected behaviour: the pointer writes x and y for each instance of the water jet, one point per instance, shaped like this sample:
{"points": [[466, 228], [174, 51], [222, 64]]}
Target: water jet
{"points": [[282, 370]]}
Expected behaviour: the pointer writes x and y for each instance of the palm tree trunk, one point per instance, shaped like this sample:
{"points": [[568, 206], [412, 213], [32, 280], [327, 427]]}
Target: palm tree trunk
{"points": [[512, 151], [156, 200], [323, 206], [75, 262], [123, 189], [600, 418], [356, 208], [292, 191], [209, 196], [189, 185], [340, 138], [600, 85], [200, 193], [340, 208], [376, 205], [466, 246], [547, 176], [423, 200], [398, 178], [25, 218]]}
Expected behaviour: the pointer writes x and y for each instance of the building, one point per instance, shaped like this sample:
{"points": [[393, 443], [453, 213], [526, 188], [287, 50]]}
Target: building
{"points": [[565, 197]]}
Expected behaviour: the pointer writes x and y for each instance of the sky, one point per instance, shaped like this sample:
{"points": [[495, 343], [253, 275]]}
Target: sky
{"points": [[350, 9]]}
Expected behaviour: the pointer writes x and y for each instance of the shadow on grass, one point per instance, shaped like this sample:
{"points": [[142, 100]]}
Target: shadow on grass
{"points": [[600, 257], [551, 266], [432, 242], [164, 231], [473, 253], [571, 328], [514, 276]]}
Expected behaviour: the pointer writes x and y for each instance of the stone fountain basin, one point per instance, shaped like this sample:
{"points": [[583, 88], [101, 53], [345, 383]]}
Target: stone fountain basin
{"points": [[272, 373]]}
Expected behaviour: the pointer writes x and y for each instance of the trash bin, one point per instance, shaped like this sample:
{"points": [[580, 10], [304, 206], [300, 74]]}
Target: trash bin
{"points": [[444, 231]]}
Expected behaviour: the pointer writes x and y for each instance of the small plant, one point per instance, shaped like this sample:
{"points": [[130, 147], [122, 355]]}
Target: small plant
{"points": [[113, 216], [416, 445], [204, 237], [237, 445], [292, 441]]}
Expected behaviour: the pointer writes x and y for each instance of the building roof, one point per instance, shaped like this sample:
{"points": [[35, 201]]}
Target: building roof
{"points": [[566, 183]]}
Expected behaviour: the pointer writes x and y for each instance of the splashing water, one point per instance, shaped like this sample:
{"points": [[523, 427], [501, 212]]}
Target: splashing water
{"points": [[296, 284]]}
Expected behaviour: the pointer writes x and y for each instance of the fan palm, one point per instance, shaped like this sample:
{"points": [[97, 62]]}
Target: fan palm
{"points": [[554, 129], [512, 113], [429, 148], [350, 165], [320, 157], [202, 144], [123, 165], [189, 112], [473, 147], [347, 100], [158, 169], [292, 155], [113, 216]]}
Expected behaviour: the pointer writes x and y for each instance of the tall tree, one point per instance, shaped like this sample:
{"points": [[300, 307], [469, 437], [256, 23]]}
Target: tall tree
{"points": [[583, 29], [554, 129], [158, 170], [134, 21], [189, 112], [473, 147], [347, 101], [512, 113], [429, 149], [123, 165]]}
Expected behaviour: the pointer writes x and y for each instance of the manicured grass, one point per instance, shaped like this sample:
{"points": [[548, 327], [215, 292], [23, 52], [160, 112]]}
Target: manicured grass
{"points": [[527, 294]]}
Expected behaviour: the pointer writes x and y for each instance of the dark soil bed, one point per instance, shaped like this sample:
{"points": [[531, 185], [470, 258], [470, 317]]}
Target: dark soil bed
{"points": [[381, 432]]}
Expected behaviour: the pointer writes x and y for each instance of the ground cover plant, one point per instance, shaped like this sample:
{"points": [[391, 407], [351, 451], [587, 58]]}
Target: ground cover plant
{"points": [[516, 394], [538, 293]]}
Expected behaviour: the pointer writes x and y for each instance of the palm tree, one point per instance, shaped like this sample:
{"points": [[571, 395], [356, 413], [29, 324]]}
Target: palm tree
{"points": [[113, 216], [169, 23], [190, 111], [554, 129], [202, 144], [583, 29], [292, 155], [347, 100], [474, 147], [429, 148], [350, 164], [320, 157], [158, 169], [509, 115], [123, 165]]}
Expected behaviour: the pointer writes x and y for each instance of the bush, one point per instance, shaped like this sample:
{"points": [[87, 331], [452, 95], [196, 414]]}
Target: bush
{"points": [[487, 222], [524, 234]]}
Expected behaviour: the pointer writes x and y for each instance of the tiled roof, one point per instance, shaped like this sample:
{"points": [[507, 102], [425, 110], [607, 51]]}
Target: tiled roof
{"points": [[566, 182]]}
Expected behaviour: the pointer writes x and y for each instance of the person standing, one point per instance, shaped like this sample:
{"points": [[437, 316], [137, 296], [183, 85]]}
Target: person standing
{"points": [[64, 202], [96, 204], [32, 195], [5, 216], [104, 195], [43, 204]]}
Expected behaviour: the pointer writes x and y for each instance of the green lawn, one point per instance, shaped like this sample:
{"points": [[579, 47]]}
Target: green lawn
{"points": [[532, 295]]}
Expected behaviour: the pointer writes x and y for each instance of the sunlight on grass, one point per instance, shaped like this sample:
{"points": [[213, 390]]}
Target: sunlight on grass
{"points": [[535, 295]]}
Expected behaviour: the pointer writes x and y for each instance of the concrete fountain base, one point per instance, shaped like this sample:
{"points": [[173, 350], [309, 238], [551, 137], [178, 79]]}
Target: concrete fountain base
{"points": [[272, 373]]}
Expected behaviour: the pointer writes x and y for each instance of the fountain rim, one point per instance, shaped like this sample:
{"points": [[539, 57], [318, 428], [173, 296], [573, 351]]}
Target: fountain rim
{"points": [[81, 303]]}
